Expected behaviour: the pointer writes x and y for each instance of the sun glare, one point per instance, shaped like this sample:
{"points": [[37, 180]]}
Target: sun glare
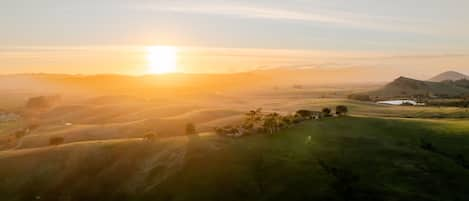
{"points": [[162, 59]]}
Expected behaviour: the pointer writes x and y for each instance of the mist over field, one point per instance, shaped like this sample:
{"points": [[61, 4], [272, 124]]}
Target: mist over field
{"points": [[246, 100], [157, 137]]}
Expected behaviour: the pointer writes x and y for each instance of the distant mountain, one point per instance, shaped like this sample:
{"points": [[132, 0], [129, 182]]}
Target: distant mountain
{"points": [[407, 87], [449, 75], [61, 83]]}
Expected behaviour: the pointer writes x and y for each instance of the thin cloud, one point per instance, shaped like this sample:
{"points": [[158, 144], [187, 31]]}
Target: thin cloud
{"points": [[319, 16], [414, 56]]}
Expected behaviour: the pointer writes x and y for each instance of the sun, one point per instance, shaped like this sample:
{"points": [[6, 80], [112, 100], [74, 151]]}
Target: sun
{"points": [[162, 59]]}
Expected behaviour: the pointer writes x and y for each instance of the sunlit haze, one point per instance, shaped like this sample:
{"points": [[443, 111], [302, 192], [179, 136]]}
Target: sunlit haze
{"points": [[236, 100], [113, 37], [162, 59]]}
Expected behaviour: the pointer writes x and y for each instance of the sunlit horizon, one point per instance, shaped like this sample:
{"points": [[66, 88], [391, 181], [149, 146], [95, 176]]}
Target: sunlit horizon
{"points": [[233, 36], [145, 60], [162, 59]]}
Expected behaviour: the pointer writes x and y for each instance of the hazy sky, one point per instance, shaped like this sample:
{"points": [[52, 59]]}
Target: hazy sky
{"points": [[109, 36]]}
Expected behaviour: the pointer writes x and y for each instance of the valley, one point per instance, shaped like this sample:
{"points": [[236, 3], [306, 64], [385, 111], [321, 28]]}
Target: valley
{"points": [[136, 147]]}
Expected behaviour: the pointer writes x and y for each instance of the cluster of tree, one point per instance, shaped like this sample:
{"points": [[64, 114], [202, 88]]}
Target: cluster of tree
{"points": [[257, 121], [341, 110], [449, 103], [359, 97]]}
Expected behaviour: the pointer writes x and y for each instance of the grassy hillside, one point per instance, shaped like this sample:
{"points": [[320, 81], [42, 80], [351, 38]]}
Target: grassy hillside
{"points": [[109, 121], [348, 158], [370, 109], [406, 87]]}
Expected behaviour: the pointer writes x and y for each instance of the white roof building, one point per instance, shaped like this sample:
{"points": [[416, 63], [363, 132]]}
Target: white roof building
{"points": [[399, 102]]}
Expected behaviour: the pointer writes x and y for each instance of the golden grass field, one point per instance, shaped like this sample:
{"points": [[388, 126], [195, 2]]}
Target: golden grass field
{"points": [[130, 117], [104, 151]]}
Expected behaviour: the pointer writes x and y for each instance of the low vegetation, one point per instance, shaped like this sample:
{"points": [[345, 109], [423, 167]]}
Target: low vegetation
{"points": [[326, 112], [360, 97], [190, 129], [150, 136], [337, 159], [56, 140], [329, 149], [341, 110], [457, 158], [460, 102]]}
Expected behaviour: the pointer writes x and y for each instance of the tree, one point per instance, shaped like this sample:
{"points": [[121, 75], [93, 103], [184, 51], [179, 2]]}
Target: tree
{"points": [[286, 121], [296, 119], [268, 124], [341, 110], [253, 117], [190, 129], [307, 114], [272, 123], [150, 136], [56, 140], [326, 111]]}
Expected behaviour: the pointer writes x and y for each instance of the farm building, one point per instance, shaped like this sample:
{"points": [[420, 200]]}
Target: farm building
{"points": [[399, 102]]}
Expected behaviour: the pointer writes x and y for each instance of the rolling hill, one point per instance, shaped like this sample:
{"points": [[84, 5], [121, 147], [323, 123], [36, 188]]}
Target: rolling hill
{"points": [[350, 158], [449, 75], [182, 83], [407, 87]]}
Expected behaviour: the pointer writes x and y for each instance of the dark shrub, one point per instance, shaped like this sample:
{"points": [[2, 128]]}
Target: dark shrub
{"points": [[56, 140], [190, 129], [461, 160], [219, 131], [20, 133], [428, 146], [297, 119], [307, 114], [341, 110], [149, 136], [359, 97], [326, 112]]}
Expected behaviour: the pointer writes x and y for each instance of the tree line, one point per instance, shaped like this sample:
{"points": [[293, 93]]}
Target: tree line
{"points": [[259, 122]]}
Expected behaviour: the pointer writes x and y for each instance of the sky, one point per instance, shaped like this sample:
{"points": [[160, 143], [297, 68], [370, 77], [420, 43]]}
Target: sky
{"points": [[417, 37]]}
